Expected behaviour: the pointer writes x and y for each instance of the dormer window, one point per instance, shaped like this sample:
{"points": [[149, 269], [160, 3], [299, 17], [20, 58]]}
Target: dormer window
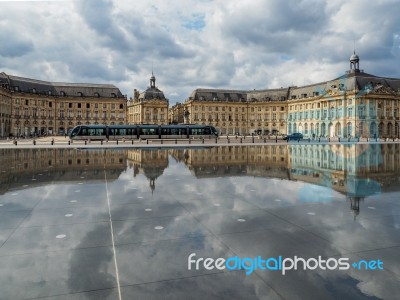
{"points": [[33, 90], [80, 94], [97, 95], [62, 94], [16, 88], [113, 95], [49, 93]]}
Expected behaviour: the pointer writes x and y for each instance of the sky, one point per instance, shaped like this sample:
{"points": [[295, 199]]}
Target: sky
{"points": [[189, 44]]}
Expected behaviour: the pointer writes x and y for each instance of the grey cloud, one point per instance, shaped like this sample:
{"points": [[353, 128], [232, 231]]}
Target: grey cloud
{"points": [[278, 25], [98, 16], [12, 45], [126, 33]]}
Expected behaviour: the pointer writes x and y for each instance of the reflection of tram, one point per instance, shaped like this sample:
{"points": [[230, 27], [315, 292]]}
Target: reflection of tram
{"points": [[114, 132]]}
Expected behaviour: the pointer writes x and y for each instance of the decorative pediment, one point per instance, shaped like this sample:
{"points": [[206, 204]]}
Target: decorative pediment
{"points": [[384, 90], [333, 92]]}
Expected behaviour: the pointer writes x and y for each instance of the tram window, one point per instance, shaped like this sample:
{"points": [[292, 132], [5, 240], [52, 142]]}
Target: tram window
{"points": [[165, 131], [122, 131], [183, 131], [95, 131], [207, 130], [148, 131], [84, 131], [197, 131]]}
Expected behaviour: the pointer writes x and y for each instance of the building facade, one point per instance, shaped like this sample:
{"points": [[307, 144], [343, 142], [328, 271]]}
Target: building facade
{"points": [[239, 112], [5, 110], [356, 104], [47, 108], [148, 107], [176, 114]]}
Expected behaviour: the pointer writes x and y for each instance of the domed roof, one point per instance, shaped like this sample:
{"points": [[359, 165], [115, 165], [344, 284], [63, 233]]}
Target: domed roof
{"points": [[152, 92], [354, 57]]}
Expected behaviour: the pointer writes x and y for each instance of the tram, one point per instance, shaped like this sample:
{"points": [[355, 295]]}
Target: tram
{"points": [[132, 132]]}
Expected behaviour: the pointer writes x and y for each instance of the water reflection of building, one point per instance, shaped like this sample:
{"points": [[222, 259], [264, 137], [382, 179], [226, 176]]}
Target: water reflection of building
{"points": [[263, 161], [356, 171], [150, 162], [345, 166], [42, 166]]}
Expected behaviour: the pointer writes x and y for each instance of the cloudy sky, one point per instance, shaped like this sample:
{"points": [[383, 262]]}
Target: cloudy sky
{"points": [[238, 44]]}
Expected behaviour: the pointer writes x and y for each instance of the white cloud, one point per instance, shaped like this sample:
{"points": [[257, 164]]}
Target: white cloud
{"points": [[235, 44]]}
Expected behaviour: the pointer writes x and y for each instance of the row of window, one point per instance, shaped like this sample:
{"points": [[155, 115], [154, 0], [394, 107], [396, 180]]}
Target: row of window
{"points": [[370, 102], [243, 109], [362, 128], [155, 117], [361, 113], [35, 102], [237, 117]]}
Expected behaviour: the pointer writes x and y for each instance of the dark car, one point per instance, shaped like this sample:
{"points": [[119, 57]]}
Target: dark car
{"points": [[294, 136]]}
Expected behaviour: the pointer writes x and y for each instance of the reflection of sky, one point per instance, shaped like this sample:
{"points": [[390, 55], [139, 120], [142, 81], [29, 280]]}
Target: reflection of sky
{"points": [[211, 216]]}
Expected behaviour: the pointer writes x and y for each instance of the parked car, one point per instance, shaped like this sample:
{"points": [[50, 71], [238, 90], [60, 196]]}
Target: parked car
{"points": [[294, 136]]}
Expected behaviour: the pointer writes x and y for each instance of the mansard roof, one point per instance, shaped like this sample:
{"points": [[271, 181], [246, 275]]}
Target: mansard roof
{"points": [[152, 93], [218, 95], [358, 82], [34, 86]]}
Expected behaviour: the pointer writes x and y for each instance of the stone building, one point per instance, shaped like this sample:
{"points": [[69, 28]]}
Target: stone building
{"points": [[5, 110], [148, 107], [239, 112], [176, 114], [356, 104], [48, 108]]}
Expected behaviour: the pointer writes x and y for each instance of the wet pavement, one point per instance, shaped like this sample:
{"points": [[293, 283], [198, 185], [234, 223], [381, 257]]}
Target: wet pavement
{"points": [[121, 223]]}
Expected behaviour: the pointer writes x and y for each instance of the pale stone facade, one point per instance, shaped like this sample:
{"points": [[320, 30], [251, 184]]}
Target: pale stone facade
{"points": [[5, 111], [176, 114], [239, 112], [46, 108], [356, 104], [148, 107]]}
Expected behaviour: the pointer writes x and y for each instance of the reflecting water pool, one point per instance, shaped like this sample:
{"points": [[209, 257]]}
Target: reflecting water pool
{"points": [[285, 222]]}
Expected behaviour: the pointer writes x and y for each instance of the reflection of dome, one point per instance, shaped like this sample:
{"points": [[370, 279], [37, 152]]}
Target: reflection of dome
{"points": [[152, 173]]}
